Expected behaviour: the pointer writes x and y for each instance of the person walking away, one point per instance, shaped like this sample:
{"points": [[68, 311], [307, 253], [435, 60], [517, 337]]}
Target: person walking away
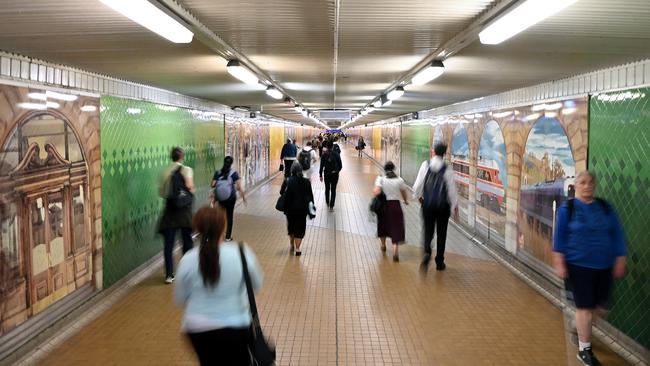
{"points": [[335, 145], [390, 222], [435, 189], [307, 159], [226, 183], [217, 317], [330, 166], [589, 251], [177, 188], [298, 196], [360, 146], [321, 145], [288, 155]]}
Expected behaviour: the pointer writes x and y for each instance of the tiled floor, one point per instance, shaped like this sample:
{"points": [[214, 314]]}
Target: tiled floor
{"points": [[344, 302]]}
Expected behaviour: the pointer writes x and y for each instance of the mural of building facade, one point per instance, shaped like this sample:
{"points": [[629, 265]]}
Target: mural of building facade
{"points": [[137, 138], [391, 143], [50, 183]]}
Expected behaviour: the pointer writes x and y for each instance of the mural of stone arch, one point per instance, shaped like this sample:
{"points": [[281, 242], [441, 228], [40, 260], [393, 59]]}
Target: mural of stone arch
{"points": [[491, 183], [547, 180]]}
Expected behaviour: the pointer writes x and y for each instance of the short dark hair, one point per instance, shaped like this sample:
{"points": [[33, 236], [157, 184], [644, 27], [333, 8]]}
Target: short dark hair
{"points": [[330, 144], [440, 148], [389, 166], [309, 143], [177, 153]]}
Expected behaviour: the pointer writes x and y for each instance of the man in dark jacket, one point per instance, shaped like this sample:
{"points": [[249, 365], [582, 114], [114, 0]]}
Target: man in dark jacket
{"points": [[288, 154], [330, 166]]}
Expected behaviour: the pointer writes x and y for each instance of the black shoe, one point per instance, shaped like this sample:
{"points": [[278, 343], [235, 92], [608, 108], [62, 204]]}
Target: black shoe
{"points": [[587, 357], [440, 266]]}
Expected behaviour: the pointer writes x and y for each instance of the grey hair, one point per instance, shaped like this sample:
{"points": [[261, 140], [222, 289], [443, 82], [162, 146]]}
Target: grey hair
{"points": [[296, 169], [587, 174]]}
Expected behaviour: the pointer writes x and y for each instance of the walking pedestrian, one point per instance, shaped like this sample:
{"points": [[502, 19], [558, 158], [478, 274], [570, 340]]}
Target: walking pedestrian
{"points": [[177, 188], [435, 189], [390, 222], [288, 155], [298, 197], [330, 166], [307, 159], [589, 251], [360, 146], [226, 183], [217, 317]]}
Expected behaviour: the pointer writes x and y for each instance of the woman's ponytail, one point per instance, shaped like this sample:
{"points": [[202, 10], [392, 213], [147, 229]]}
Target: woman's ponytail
{"points": [[210, 223]]}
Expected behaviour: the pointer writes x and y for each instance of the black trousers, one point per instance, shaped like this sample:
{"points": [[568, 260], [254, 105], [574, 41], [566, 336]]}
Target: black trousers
{"points": [[229, 206], [226, 346], [331, 180], [287, 167], [169, 236], [433, 220]]}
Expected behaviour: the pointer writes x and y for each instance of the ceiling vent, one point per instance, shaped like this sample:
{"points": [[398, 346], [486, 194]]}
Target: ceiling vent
{"points": [[337, 114]]}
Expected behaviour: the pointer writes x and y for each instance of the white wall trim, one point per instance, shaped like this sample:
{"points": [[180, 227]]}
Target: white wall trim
{"points": [[626, 76]]}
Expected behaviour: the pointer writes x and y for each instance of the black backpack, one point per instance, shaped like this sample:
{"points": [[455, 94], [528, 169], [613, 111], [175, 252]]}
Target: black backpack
{"points": [[331, 162], [337, 148], [305, 159], [435, 191], [179, 195]]}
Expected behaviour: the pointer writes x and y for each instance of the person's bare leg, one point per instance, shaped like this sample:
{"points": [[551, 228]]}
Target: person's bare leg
{"points": [[395, 253], [583, 324], [382, 239], [292, 242], [298, 241]]}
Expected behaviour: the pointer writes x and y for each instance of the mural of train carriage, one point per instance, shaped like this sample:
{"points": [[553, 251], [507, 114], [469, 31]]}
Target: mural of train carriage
{"points": [[49, 172]]}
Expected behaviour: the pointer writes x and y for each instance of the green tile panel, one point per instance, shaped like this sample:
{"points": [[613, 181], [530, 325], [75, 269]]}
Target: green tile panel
{"points": [[136, 141], [619, 154]]}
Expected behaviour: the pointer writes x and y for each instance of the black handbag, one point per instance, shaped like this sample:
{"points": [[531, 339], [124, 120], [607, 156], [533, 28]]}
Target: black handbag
{"points": [[261, 350], [279, 205], [378, 203]]}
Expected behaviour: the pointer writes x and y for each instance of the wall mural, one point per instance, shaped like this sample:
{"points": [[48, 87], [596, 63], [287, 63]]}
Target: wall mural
{"points": [[460, 162], [276, 141], [391, 144], [491, 184], [415, 150], [547, 180], [49, 178], [248, 144]]}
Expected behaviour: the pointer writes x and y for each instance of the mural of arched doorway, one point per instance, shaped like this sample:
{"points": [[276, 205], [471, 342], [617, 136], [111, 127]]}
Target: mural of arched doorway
{"points": [[46, 241]]}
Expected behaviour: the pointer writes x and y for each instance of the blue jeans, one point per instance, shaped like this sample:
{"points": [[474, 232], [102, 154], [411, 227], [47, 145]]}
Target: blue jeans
{"points": [[169, 236]]}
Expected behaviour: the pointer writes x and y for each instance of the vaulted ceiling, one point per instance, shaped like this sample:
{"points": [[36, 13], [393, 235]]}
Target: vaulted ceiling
{"points": [[329, 54]]}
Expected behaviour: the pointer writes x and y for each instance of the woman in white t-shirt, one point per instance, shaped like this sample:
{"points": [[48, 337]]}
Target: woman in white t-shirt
{"points": [[390, 223]]}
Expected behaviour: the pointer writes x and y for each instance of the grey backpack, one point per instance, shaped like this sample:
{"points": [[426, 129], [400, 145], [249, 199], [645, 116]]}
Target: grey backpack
{"points": [[224, 189]]}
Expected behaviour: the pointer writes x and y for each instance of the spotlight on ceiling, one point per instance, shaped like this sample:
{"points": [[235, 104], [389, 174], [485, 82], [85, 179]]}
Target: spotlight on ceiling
{"points": [[396, 93], [435, 69], [520, 18], [273, 93], [151, 17], [236, 69]]}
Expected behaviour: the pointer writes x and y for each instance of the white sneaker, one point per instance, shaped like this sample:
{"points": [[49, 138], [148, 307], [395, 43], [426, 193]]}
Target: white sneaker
{"points": [[169, 280]]}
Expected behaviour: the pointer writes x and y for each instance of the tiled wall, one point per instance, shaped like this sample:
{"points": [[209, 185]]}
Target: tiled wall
{"points": [[619, 152], [415, 150], [136, 141]]}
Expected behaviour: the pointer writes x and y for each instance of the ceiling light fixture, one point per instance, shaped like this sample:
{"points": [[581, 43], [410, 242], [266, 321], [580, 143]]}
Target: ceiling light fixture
{"points": [[377, 103], [520, 18], [88, 108], [364, 112], [434, 70], [273, 93], [396, 93], [151, 17], [384, 100], [236, 69], [297, 108]]}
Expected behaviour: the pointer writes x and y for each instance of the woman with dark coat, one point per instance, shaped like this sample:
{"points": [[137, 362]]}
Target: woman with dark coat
{"points": [[298, 196]]}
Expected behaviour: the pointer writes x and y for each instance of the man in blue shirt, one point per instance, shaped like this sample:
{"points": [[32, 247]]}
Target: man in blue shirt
{"points": [[288, 154], [589, 251]]}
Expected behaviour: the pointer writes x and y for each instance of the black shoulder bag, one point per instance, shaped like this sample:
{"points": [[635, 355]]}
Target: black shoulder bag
{"points": [[262, 352]]}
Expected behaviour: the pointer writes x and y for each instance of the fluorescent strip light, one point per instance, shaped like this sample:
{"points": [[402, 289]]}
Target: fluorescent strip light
{"points": [[395, 93], [297, 108], [370, 109], [377, 103], [236, 69], [519, 19], [39, 106], [37, 96], [388, 102], [364, 112], [149, 16], [88, 108], [133, 110], [273, 93], [553, 107], [539, 107], [434, 70]]}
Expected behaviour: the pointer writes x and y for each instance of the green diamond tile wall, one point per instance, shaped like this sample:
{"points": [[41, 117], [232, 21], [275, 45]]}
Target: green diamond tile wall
{"points": [[136, 141], [619, 154], [415, 150]]}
